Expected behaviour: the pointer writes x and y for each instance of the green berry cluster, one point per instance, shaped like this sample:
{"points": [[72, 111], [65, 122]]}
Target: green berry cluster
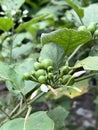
{"points": [[44, 73], [92, 27], [65, 77]]}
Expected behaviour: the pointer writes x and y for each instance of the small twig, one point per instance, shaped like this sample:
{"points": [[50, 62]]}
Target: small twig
{"points": [[27, 115], [85, 77], [11, 44], [10, 115], [29, 103], [23, 109], [24, 98], [81, 21]]}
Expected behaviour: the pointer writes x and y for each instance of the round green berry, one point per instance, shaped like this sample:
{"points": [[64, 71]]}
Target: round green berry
{"points": [[37, 66], [64, 70], [96, 33], [26, 76], [39, 73], [50, 75], [91, 27], [42, 79], [50, 69], [46, 63], [82, 28], [66, 78]]}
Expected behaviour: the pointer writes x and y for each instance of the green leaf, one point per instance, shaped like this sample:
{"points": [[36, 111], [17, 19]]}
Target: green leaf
{"points": [[28, 87], [90, 16], [25, 25], [68, 38], [53, 52], [39, 121], [24, 50], [22, 67], [59, 2], [11, 5], [13, 124], [18, 39], [58, 114], [79, 11], [36, 121], [6, 23], [8, 73], [52, 10], [89, 63]]}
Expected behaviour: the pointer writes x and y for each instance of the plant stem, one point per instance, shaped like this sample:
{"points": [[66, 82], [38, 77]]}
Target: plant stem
{"points": [[11, 114], [85, 77], [11, 44], [29, 103], [81, 21], [23, 109], [27, 115]]}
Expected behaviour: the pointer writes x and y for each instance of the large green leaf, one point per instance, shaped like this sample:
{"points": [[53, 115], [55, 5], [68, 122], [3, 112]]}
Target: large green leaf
{"points": [[58, 115], [6, 23], [89, 63], [39, 121], [68, 38], [54, 52], [11, 5], [8, 73], [16, 124], [36, 121], [79, 11]]}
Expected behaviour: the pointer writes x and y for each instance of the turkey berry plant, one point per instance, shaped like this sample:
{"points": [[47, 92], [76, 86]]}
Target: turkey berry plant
{"points": [[48, 69]]}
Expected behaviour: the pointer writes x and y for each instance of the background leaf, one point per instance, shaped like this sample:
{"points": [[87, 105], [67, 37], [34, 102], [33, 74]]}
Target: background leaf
{"points": [[12, 5], [8, 73], [90, 14], [89, 63], [58, 114], [24, 50], [79, 11], [28, 24], [26, 66]]}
